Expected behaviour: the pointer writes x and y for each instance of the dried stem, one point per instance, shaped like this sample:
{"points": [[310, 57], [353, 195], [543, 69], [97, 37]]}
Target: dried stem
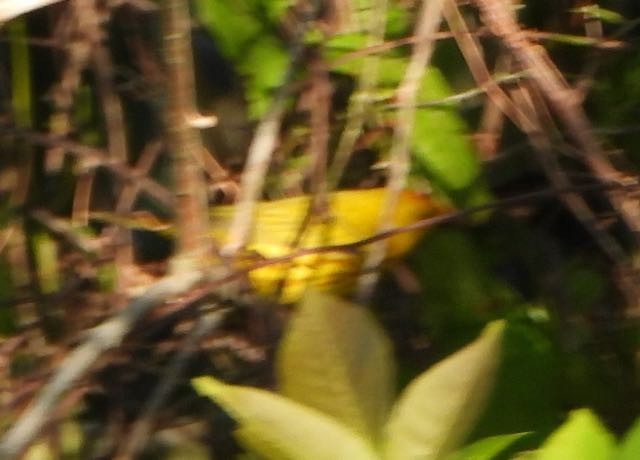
{"points": [[184, 140], [361, 98], [429, 20], [563, 100], [100, 339]]}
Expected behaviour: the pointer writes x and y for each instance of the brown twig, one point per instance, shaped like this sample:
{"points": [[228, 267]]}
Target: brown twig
{"points": [[183, 139], [100, 339], [562, 99], [261, 150], [92, 157], [362, 95]]}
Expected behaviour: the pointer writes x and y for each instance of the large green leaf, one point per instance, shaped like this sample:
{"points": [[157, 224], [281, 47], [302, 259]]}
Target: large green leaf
{"points": [[249, 40], [335, 358], [439, 408], [630, 446], [442, 146], [233, 24], [278, 428], [582, 437], [487, 448], [265, 65]]}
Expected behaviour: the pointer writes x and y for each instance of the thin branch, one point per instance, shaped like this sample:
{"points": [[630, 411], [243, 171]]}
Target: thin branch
{"points": [[207, 321], [563, 100], [91, 158], [184, 140], [260, 152], [107, 335], [361, 97], [429, 21]]}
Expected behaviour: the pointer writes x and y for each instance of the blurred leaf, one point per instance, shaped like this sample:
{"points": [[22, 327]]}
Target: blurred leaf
{"points": [[40, 451], [460, 288], [398, 21], [278, 428], [265, 65], [525, 396], [487, 448], [7, 315], [438, 409], [629, 448], [233, 24], [20, 72], [335, 358], [582, 437], [45, 250], [276, 8], [251, 43], [71, 440], [596, 12], [442, 146]]}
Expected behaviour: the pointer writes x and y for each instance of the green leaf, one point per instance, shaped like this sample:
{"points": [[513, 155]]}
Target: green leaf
{"points": [[335, 358], [462, 289], [232, 23], [45, 250], [265, 65], [582, 437], [630, 446], [20, 74], [439, 408], [279, 429], [487, 448], [602, 14], [442, 146]]}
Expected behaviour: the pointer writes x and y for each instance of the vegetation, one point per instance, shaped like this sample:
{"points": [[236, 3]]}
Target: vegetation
{"points": [[214, 215]]}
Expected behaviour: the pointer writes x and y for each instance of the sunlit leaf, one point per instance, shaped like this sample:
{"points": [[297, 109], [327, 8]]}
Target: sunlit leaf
{"points": [[596, 12], [442, 146], [231, 23], [278, 428], [335, 358], [265, 66], [629, 448], [582, 437], [439, 408], [487, 448], [45, 250]]}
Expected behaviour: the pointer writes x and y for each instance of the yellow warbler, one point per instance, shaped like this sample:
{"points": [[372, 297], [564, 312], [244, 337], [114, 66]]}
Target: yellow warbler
{"points": [[352, 216]]}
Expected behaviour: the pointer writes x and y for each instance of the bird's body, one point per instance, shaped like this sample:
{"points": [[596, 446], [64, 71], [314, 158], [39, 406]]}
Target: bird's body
{"points": [[352, 215]]}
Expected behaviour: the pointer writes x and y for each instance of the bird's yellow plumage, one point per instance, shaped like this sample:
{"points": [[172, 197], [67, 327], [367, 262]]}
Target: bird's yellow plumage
{"points": [[352, 216]]}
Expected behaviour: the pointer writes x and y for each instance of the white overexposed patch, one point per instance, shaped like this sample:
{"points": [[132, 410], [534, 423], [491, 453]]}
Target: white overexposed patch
{"points": [[9, 9]]}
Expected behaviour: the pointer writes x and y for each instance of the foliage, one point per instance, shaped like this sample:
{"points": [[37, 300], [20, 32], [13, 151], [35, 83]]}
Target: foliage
{"points": [[87, 193], [339, 406]]}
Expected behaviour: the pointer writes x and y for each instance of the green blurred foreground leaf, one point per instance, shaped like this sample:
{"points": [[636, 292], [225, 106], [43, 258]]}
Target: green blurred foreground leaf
{"points": [[335, 358], [487, 448], [582, 437], [630, 446], [279, 428], [438, 409]]}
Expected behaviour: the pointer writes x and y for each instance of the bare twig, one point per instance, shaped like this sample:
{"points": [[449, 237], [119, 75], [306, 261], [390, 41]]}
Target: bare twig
{"points": [[429, 20], [100, 339], [260, 152], [140, 433], [92, 158], [362, 96], [184, 140], [562, 99]]}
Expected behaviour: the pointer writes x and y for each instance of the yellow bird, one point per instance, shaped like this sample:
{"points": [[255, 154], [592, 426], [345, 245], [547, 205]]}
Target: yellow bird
{"points": [[352, 216]]}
